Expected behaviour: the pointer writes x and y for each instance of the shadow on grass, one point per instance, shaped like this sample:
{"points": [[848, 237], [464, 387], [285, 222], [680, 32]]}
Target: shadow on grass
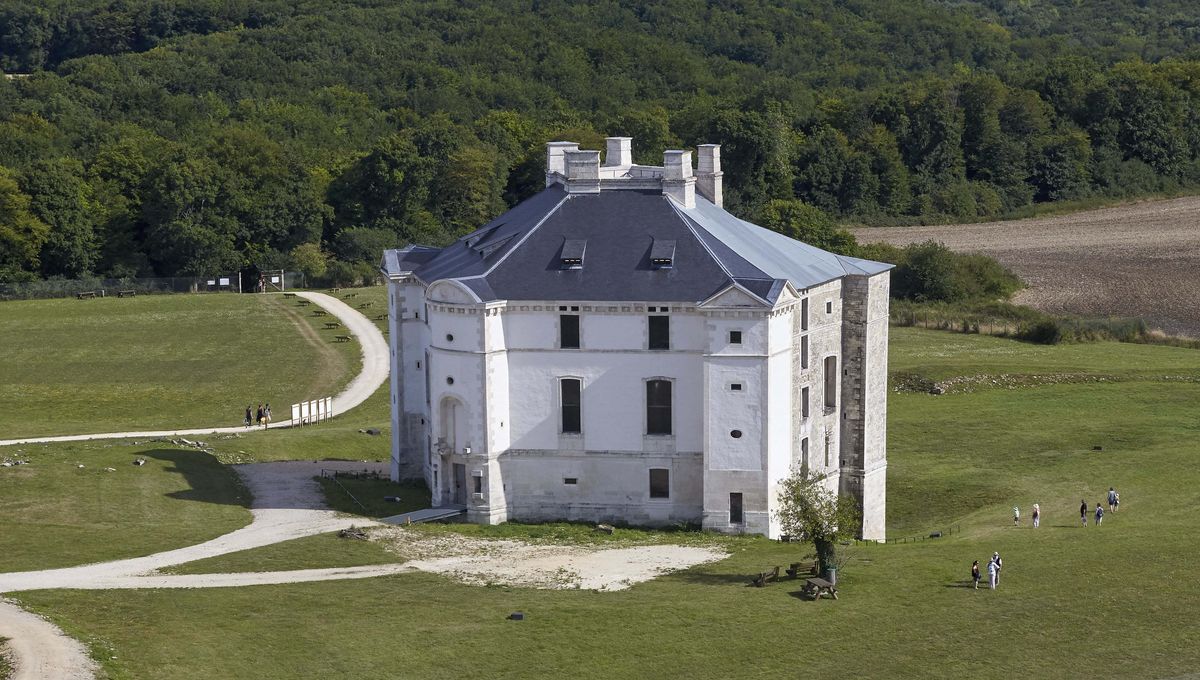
{"points": [[959, 584], [701, 578], [208, 479]]}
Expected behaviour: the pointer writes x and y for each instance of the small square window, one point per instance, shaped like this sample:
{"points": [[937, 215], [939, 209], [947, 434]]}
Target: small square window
{"points": [[735, 337], [735, 387], [570, 481]]}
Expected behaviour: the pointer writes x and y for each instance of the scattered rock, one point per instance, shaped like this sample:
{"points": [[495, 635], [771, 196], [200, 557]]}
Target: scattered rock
{"points": [[392, 499], [110, 469], [139, 462], [80, 466], [353, 532], [937, 389]]}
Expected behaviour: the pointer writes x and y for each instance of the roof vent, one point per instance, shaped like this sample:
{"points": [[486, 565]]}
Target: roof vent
{"points": [[572, 253], [662, 254]]}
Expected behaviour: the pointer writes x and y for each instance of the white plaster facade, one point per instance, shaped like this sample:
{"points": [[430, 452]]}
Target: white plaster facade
{"points": [[477, 391]]}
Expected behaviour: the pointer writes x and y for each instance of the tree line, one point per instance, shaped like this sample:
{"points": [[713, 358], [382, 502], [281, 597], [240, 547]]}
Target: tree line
{"points": [[152, 137]]}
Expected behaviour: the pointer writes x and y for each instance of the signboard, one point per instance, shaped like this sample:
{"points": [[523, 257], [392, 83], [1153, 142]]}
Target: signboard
{"points": [[224, 281]]}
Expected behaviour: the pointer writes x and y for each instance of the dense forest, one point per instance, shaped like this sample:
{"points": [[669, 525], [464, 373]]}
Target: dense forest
{"points": [[164, 137]]}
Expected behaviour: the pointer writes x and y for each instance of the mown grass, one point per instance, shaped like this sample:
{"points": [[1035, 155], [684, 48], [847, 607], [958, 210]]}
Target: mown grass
{"points": [[1114, 601], [159, 361], [54, 513], [313, 552], [366, 496]]}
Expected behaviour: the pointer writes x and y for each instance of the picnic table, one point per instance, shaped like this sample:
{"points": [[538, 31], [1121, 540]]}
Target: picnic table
{"points": [[289, 295], [341, 338], [816, 587], [319, 312], [332, 324], [86, 295], [126, 293], [303, 303]]}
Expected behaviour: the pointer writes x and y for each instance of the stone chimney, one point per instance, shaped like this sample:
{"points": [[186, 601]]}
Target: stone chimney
{"points": [[619, 152], [583, 171], [678, 182], [556, 162], [708, 174]]}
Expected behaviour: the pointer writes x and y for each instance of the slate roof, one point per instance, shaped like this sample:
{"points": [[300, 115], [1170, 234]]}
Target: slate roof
{"points": [[520, 254]]}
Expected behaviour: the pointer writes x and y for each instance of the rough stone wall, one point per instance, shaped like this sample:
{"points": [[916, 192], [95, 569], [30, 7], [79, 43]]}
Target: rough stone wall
{"points": [[409, 413], [864, 398]]}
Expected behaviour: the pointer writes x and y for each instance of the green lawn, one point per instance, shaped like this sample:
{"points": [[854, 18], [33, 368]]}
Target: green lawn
{"points": [[1113, 601], [160, 361], [313, 552], [55, 514]]}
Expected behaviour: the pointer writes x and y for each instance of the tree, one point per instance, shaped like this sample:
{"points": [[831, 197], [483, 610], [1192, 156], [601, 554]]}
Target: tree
{"points": [[308, 258], [21, 233], [62, 199], [803, 222], [811, 511]]}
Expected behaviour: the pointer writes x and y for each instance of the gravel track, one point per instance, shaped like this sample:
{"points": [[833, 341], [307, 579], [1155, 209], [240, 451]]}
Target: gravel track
{"points": [[1140, 259]]}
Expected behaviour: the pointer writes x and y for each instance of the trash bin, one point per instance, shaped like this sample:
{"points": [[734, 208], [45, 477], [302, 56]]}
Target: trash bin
{"points": [[830, 574]]}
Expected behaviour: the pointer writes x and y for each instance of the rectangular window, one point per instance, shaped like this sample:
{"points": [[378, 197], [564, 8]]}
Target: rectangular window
{"points": [[804, 314], [572, 420], [804, 402], [830, 382], [804, 352], [660, 332], [735, 337], [829, 307], [570, 481], [478, 482], [804, 455], [735, 508], [735, 387], [568, 331], [658, 407], [660, 483]]}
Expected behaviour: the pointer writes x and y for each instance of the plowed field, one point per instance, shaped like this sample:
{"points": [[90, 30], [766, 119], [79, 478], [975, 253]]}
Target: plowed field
{"points": [[1141, 259]]}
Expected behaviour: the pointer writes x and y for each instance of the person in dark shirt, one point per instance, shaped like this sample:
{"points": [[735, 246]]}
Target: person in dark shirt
{"points": [[975, 573], [1083, 512]]}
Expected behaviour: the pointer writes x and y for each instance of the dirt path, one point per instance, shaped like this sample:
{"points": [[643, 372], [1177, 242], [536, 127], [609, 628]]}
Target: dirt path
{"points": [[1141, 259], [288, 504], [376, 361]]}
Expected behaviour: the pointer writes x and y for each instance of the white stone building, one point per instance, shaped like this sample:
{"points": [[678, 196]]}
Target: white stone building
{"points": [[620, 348]]}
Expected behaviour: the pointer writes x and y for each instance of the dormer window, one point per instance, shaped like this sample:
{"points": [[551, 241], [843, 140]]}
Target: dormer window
{"points": [[572, 253], [662, 254]]}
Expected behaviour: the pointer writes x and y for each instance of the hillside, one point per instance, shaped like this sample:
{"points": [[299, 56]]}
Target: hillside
{"points": [[1137, 260], [152, 137]]}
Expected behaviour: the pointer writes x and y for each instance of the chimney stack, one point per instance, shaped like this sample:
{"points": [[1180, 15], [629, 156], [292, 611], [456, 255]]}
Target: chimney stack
{"points": [[556, 162], [583, 171], [708, 175], [678, 182], [619, 152]]}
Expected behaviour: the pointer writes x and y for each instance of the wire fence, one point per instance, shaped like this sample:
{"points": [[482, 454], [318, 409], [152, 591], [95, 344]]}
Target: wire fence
{"points": [[955, 529], [98, 287]]}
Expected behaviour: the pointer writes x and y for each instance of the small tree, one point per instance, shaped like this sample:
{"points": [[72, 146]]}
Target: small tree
{"points": [[811, 512]]}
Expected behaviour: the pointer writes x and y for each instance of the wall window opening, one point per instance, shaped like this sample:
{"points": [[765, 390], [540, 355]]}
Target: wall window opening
{"points": [[660, 332], [735, 337], [572, 416], [830, 382], [568, 331], [804, 402], [735, 508], [658, 407], [660, 483]]}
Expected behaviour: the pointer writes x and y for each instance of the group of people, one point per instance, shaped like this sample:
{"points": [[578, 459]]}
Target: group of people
{"points": [[995, 564], [1114, 502], [260, 416], [993, 569]]}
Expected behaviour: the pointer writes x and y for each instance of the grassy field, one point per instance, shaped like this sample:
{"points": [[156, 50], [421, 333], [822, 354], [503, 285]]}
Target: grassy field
{"points": [[165, 361], [1114, 601], [54, 513]]}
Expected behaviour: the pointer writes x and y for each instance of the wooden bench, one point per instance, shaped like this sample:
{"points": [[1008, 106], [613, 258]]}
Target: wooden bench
{"points": [[797, 569], [816, 587], [765, 577], [332, 324], [289, 295], [365, 305], [303, 303], [381, 317], [88, 295], [319, 312], [341, 338], [126, 293], [347, 296]]}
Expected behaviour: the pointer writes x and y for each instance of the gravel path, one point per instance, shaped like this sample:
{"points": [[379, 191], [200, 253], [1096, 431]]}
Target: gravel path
{"points": [[39, 650], [1140, 259], [376, 362]]}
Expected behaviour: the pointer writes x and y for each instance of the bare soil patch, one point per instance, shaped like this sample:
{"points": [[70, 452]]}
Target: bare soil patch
{"points": [[1136, 260], [547, 566]]}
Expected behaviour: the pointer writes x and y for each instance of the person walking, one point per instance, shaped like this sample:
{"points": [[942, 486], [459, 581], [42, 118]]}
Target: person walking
{"points": [[1116, 501], [1016, 516], [1037, 515], [1112, 499], [975, 573], [249, 415], [993, 572], [258, 414], [1083, 511], [1099, 514], [267, 413], [999, 565]]}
